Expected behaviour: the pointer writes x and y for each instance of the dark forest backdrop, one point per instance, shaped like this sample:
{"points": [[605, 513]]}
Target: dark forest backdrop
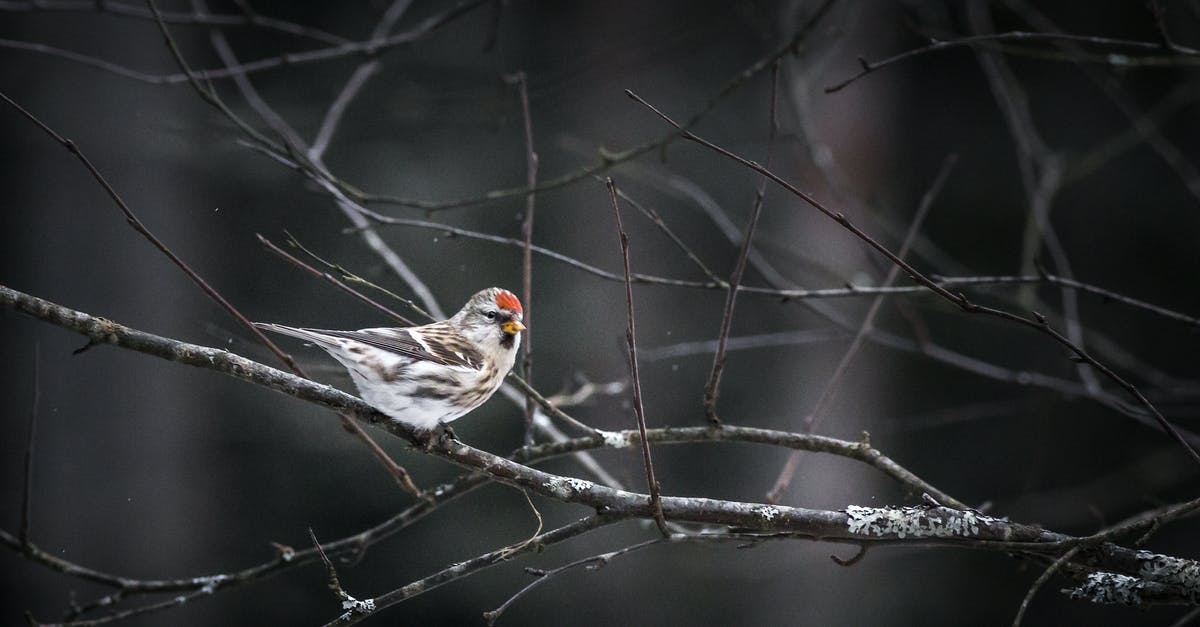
{"points": [[1064, 149]]}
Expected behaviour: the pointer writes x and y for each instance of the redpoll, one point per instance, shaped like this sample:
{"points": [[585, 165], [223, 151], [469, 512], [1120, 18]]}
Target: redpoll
{"points": [[427, 376]]}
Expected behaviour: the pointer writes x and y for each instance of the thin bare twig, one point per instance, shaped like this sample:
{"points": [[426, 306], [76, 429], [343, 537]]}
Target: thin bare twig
{"points": [[1146, 520], [195, 18], [1042, 579], [848, 291], [334, 584], [338, 51], [132, 219], [357, 80], [593, 562], [315, 170], [337, 110], [1158, 10], [398, 472], [853, 559], [636, 383], [551, 409], [329, 278], [206, 92], [1037, 321], [831, 386], [1154, 136], [357, 279], [868, 323], [531, 169], [27, 489], [1042, 177], [350, 604], [145, 232], [868, 67], [712, 388], [655, 218], [516, 548], [518, 243], [610, 158], [474, 565]]}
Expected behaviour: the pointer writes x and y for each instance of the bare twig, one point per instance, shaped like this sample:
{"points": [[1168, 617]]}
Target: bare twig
{"points": [[531, 168], [132, 219], [518, 243], [516, 548], [1147, 520], [937, 46], [853, 559], [334, 584], [839, 372], [329, 53], [654, 217], [312, 168], [474, 565], [206, 92], [550, 408], [610, 158], [329, 278], [1189, 618], [635, 380], [362, 73], [1158, 9], [593, 562], [352, 277], [1042, 579], [849, 291], [712, 388], [1042, 177], [333, 116], [1036, 322], [1154, 137], [27, 489], [315, 170], [350, 605], [195, 18], [397, 471], [145, 232]]}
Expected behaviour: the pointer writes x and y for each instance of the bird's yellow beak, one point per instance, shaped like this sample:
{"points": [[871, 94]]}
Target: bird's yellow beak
{"points": [[513, 327]]}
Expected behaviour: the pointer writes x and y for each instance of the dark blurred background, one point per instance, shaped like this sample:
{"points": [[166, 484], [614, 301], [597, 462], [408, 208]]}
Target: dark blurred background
{"points": [[150, 469]]}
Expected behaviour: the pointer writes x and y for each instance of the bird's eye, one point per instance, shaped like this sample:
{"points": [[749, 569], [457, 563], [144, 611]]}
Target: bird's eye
{"points": [[491, 315]]}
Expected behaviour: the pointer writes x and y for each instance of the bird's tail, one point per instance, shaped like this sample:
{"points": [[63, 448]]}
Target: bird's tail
{"points": [[311, 335]]}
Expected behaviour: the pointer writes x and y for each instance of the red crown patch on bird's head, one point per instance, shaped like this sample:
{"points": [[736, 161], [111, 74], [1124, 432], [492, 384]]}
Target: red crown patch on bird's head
{"points": [[507, 300]]}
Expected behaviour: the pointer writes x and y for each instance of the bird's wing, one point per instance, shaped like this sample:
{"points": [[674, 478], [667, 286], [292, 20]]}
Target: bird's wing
{"points": [[423, 343]]}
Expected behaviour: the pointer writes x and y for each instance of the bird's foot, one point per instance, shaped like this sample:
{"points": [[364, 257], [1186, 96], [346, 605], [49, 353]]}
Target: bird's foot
{"points": [[439, 435]]}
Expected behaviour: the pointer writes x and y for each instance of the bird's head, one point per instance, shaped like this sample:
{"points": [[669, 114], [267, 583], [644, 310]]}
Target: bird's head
{"points": [[491, 310]]}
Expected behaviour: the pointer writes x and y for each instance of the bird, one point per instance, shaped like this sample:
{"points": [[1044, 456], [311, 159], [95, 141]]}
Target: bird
{"points": [[426, 376]]}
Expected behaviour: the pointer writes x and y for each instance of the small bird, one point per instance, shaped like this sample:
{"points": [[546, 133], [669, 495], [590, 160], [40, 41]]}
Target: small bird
{"points": [[427, 376]]}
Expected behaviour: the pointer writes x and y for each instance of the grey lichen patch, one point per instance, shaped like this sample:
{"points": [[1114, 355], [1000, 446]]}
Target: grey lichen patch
{"points": [[1170, 570], [354, 606], [617, 439], [916, 522], [580, 485], [565, 488], [208, 585], [1109, 589], [768, 512]]}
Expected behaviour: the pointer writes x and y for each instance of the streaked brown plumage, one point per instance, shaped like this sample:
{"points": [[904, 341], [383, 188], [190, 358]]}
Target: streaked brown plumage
{"points": [[429, 375]]}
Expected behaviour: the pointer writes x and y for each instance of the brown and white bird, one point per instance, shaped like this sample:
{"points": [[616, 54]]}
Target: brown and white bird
{"points": [[427, 376]]}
